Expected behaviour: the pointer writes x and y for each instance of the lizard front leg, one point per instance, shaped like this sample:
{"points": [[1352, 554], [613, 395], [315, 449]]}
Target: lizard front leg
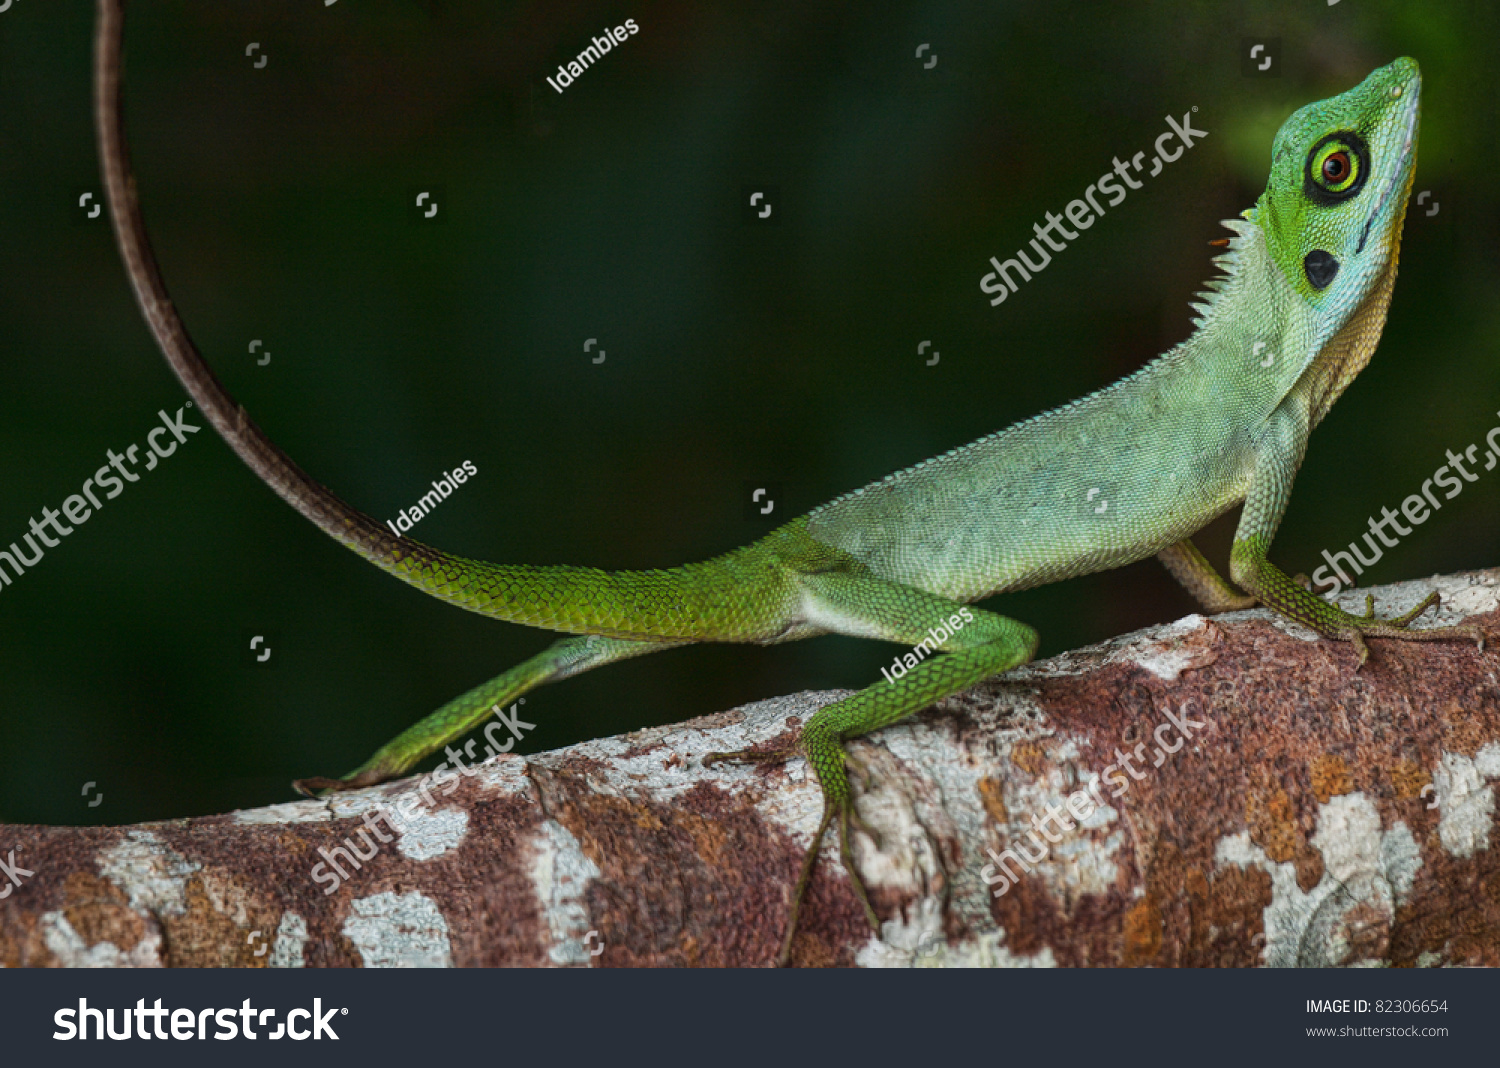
{"points": [[861, 606], [1279, 453]]}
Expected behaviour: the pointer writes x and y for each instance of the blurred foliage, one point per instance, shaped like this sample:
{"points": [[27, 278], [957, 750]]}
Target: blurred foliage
{"points": [[737, 354]]}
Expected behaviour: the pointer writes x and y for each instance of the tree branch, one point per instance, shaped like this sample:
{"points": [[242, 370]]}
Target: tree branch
{"points": [[1314, 814]]}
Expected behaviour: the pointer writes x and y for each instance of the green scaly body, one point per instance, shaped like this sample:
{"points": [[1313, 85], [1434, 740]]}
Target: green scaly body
{"points": [[1123, 474]]}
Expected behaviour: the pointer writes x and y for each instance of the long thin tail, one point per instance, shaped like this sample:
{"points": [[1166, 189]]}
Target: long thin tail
{"points": [[653, 604]]}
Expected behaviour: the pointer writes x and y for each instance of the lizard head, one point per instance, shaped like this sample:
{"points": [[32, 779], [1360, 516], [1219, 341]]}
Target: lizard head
{"points": [[1341, 172]]}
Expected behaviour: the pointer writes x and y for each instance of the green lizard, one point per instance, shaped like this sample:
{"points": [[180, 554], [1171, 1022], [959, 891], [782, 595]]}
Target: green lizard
{"points": [[1222, 418]]}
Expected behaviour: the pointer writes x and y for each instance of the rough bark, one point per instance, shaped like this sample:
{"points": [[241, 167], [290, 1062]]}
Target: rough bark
{"points": [[1317, 814]]}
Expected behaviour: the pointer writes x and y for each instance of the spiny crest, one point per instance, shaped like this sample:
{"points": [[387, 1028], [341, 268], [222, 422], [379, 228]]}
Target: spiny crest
{"points": [[1229, 264]]}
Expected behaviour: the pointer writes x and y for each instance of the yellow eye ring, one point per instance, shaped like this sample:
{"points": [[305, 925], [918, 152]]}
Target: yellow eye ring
{"points": [[1337, 167]]}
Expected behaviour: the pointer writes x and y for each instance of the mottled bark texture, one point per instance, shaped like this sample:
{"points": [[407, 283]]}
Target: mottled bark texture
{"points": [[1312, 814]]}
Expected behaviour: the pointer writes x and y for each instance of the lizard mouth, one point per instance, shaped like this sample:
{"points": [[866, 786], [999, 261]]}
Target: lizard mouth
{"points": [[1401, 170]]}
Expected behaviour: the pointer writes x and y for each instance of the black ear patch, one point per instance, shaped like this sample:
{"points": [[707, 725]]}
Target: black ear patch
{"points": [[1320, 267]]}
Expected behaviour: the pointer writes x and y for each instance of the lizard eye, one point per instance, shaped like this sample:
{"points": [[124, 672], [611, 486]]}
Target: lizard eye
{"points": [[1336, 168]]}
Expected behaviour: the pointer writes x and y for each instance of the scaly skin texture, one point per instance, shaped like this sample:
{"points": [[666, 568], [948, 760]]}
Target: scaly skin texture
{"points": [[1127, 472]]}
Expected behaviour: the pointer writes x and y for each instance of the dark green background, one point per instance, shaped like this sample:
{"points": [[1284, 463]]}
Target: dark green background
{"points": [[278, 200]]}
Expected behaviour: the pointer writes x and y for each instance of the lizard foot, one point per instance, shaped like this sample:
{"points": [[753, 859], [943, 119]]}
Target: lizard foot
{"points": [[1369, 626], [846, 813], [752, 756], [828, 762], [318, 785]]}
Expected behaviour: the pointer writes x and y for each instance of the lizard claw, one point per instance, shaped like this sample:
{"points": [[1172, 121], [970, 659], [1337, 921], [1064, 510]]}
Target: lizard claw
{"points": [[1368, 625], [751, 756], [1431, 600], [864, 828], [318, 785], [847, 812]]}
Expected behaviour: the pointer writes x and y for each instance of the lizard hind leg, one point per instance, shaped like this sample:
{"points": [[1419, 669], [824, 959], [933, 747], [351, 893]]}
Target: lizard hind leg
{"points": [[562, 659], [954, 646]]}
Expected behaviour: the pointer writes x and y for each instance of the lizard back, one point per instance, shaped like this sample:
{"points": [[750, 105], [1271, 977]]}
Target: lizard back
{"points": [[1101, 482]]}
